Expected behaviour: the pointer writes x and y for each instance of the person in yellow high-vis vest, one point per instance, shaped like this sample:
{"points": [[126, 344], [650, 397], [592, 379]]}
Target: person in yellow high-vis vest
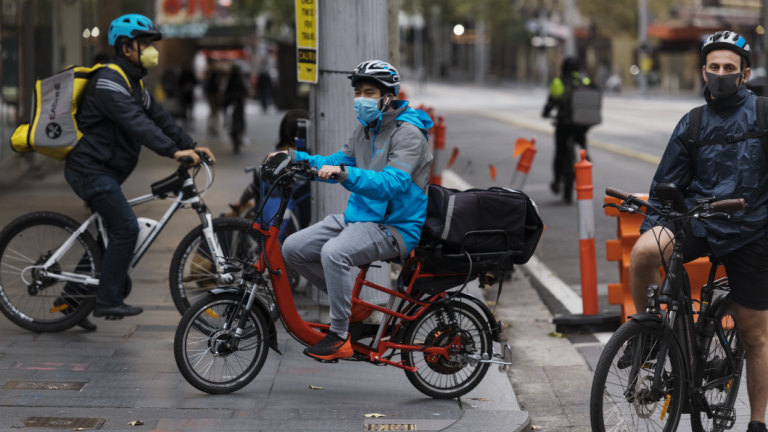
{"points": [[560, 91]]}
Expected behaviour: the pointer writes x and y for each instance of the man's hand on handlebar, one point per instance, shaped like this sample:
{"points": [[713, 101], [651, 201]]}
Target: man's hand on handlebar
{"points": [[329, 172], [193, 154]]}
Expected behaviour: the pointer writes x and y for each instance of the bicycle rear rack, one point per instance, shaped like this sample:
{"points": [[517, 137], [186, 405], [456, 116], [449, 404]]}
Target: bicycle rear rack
{"points": [[504, 359]]}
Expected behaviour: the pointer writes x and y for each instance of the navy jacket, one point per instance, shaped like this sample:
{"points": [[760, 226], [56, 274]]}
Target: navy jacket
{"points": [[734, 170], [116, 120]]}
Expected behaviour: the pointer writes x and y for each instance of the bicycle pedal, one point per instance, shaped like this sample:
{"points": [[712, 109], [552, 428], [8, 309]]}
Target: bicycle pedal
{"points": [[113, 317], [724, 417]]}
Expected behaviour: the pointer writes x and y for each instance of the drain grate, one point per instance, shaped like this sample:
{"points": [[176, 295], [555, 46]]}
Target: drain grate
{"points": [[389, 427], [71, 423], [44, 385]]}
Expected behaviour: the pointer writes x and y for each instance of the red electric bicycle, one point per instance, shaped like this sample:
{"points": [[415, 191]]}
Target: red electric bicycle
{"points": [[441, 337]]}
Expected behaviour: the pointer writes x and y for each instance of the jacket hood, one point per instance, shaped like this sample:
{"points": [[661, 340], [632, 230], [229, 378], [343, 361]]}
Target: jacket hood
{"points": [[416, 117]]}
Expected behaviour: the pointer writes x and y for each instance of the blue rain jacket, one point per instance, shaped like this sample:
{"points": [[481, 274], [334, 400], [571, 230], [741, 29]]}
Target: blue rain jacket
{"points": [[387, 173]]}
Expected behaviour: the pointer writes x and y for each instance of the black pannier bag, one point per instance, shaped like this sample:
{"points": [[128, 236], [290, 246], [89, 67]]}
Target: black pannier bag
{"points": [[495, 228]]}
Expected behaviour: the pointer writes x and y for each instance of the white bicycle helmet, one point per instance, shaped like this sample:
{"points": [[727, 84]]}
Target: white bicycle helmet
{"points": [[727, 40], [381, 72]]}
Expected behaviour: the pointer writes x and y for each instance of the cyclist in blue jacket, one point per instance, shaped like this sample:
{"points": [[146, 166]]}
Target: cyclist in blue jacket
{"points": [[385, 165], [733, 166], [117, 117]]}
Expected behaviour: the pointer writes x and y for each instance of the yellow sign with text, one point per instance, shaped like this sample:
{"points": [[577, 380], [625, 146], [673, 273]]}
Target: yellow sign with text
{"points": [[306, 40]]}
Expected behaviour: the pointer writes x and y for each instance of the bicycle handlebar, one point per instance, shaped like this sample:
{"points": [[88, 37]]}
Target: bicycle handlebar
{"points": [[187, 161], [725, 206]]}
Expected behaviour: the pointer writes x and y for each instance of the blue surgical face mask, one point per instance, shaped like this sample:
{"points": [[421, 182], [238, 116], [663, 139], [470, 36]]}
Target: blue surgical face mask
{"points": [[367, 109]]}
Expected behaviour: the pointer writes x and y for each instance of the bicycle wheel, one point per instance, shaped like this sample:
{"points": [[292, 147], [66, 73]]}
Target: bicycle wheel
{"points": [[719, 374], [445, 325], [621, 398], [193, 272], [208, 353], [31, 300]]}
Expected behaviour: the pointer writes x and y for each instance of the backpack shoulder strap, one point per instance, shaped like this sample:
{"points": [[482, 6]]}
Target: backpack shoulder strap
{"points": [[694, 132], [119, 70]]}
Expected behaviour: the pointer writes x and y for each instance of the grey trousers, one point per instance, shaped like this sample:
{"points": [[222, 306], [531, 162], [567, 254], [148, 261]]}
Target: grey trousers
{"points": [[326, 252]]}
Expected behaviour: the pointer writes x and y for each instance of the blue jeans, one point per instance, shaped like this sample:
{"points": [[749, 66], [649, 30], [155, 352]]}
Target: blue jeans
{"points": [[103, 195]]}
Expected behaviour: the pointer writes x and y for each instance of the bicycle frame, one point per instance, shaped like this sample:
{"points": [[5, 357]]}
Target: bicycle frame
{"points": [[679, 319], [187, 195], [310, 333]]}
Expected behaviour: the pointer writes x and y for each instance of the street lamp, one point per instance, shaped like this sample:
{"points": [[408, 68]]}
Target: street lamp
{"points": [[458, 29]]}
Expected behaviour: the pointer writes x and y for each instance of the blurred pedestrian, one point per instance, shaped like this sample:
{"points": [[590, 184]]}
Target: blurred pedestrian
{"points": [[212, 89], [235, 93], [264, 88], [566, 131], [187, 83]]}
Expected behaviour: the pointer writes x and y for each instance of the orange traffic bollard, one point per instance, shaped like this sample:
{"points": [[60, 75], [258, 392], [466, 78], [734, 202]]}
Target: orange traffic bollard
{"points": [[454, 155], [437, 164], [526, 150], [492, 169], [587, 254]]}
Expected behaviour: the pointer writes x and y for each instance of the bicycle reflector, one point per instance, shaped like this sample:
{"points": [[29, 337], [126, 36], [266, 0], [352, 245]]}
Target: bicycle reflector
{"points": [[274, 166]]}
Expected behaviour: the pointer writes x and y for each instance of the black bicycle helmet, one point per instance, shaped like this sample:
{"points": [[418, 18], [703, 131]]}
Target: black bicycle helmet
{"points": [[726, 40], [378, 71]]}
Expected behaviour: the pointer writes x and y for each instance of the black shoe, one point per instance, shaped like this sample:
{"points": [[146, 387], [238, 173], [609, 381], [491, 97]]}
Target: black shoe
{"points": [[554, 187], [756, 426], [331, 348], [84, 323], [121, 310], [87, 325]]}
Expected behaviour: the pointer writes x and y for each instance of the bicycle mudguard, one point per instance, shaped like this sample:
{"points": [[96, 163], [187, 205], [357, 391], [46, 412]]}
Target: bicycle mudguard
{"points": [[494, 325], [646, 317], [263, 309]]}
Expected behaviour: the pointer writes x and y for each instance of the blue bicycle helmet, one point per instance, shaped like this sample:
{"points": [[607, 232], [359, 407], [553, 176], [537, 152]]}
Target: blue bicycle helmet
{"points": [[132, 26], [726, 40]]}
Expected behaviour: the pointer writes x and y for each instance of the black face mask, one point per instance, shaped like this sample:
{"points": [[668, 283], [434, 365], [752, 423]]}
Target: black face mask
{"points": [[723, 86]]}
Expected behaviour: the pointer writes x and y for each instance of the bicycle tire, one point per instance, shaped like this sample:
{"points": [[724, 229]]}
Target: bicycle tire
{"points": [[442, 378], [612, 407], [193, 273], [717, 378], [50, 305], [236, 361]]}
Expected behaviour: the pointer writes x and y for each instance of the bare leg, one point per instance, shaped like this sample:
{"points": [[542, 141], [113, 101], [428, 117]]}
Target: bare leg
{"points": [[753, 330], [644, 263]]}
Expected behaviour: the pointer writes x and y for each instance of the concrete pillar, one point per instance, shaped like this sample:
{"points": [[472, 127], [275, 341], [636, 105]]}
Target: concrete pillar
{"points": [[349, 32]]}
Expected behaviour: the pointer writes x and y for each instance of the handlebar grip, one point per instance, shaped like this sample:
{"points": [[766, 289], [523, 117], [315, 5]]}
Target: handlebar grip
{"points": [[616, 193], [729, 205]]}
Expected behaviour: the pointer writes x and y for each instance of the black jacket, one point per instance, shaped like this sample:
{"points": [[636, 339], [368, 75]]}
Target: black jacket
{"points": [[733, 170], [117, 119]]}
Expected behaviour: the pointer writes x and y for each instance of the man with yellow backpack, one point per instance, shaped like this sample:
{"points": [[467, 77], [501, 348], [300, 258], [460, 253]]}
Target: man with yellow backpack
{"points": [[117, 116]]}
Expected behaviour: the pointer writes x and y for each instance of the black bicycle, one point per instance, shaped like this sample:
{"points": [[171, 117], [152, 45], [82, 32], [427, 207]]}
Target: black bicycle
{"points": [[672, 359]]}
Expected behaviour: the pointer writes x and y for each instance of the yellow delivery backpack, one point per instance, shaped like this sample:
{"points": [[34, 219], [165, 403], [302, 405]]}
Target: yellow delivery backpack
{"points": [[52, 129]]}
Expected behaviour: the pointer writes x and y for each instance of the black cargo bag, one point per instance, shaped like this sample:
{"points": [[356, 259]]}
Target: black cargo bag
{"points": [[482, 222]]}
